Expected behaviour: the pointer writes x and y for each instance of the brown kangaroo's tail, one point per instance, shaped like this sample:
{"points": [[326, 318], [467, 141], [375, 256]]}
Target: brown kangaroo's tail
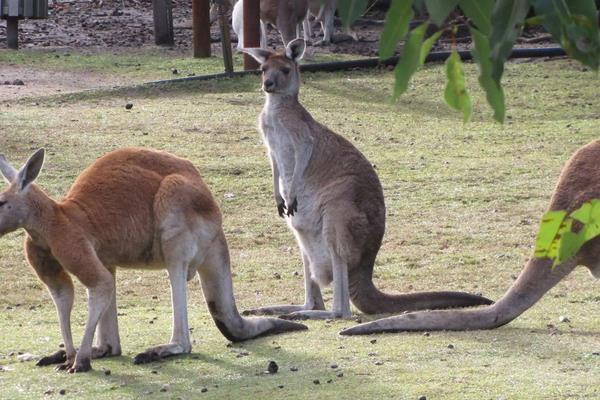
{"points": [[536, 279]]}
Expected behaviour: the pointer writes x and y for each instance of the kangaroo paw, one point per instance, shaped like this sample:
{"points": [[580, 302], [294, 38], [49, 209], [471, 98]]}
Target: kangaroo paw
{"points": [[146, 357], [56, 358]]}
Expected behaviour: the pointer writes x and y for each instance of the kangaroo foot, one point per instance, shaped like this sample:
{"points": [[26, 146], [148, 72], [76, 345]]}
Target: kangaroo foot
{"points": [[321, 42], [67, 365], [105, 350], [159, 352], [314, 314], [276, 310], [83, 365], [56, 358]]}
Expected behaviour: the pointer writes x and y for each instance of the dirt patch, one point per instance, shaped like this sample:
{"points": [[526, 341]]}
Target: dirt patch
{"points": [[40, 82], [128, 23]]}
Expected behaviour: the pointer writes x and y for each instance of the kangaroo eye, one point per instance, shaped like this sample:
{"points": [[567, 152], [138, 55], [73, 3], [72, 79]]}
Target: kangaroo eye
{"points": [[285, 70], [263, 69], [2, 203]]}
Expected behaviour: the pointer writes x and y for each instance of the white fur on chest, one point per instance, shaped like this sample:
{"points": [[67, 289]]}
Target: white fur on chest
{"points": [[279, 140]]}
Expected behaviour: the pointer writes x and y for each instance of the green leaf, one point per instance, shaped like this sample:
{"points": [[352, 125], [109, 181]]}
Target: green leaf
{"points": [[456, 93], [395, 28], [589, 215], [583, 214], [427, 45], [410, 59], [549, 227], [479, 12], [556, 239], [573, 24], [554, 252], [570, 243], [350, 10], [587, 8], [439, 9], [419, 6], [536, 20], [507, 22], [493, 91]]}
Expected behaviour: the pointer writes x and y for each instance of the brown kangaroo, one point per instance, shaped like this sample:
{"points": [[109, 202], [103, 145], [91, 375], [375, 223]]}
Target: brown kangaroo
{"points": [[135, 208], [333, 202], [579, 182]]}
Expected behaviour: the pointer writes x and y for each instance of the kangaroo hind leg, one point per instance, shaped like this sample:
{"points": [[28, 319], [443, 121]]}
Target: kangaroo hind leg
{"points": [[179, 239], [339, 248]]}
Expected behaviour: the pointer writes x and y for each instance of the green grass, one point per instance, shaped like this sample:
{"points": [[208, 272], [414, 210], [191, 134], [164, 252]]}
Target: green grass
{"points": [[134, 65], [463, 206]]}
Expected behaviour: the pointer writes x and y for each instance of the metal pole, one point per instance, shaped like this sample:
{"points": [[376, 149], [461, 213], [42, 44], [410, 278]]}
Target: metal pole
{"points": [[251, 30], [225, 39], [201, 28], [12, 33]]}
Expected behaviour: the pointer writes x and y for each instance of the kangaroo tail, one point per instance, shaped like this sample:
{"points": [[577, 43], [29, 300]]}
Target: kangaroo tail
{"points": [[370, 300], [215, 277], [535, 280]]}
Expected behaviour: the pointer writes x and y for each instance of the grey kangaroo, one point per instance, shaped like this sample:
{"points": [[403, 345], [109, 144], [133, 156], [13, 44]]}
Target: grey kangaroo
{"points": [[332, 200]]}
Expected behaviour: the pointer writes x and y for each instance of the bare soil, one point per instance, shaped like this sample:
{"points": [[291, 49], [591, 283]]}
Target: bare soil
{"points": [[128, 23], [41, 82]]}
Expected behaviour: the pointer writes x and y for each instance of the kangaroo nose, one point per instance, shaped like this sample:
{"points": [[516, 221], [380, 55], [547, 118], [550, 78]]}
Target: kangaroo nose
{"points": [[269, 84]]}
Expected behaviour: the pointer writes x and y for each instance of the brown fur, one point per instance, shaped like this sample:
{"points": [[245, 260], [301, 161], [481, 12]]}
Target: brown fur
{"points": [[135, 208]]}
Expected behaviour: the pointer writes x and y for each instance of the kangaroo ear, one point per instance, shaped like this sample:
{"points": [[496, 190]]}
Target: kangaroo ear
{"points": [[260, 55], [8, 171], [295, 49], [31, 169]]}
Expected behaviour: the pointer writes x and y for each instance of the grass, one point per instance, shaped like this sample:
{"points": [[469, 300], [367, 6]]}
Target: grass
{"points": [[132, 66], [463, 205]]}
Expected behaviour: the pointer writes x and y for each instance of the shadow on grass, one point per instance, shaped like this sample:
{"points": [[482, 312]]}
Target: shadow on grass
{"points": [[148, 90], [364, 93], [194, 374]]}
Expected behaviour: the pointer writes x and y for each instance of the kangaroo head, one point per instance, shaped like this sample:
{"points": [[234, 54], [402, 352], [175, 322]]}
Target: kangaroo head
{"points": [[15, 203], [280, 72]]}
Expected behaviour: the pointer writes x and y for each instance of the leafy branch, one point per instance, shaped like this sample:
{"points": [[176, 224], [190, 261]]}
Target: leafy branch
{"points": [[495, 25]]}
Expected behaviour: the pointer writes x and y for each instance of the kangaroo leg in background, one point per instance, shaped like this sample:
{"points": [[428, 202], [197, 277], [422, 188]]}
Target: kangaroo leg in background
{"points": [[341, 297], [108, 342]]}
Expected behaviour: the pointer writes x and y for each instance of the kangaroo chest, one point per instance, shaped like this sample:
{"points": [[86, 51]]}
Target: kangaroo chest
{"points": [[283, 139], [279, 139]]}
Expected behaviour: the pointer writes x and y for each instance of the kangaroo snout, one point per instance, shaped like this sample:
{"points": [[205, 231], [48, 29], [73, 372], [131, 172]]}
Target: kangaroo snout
{"points": [[269, 85]]}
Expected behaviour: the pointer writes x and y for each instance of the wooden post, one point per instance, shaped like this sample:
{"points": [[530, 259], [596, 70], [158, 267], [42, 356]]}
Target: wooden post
{"points": [[251, 30], [163, 22], [201, 28], [12, 33], [225, 38]]}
